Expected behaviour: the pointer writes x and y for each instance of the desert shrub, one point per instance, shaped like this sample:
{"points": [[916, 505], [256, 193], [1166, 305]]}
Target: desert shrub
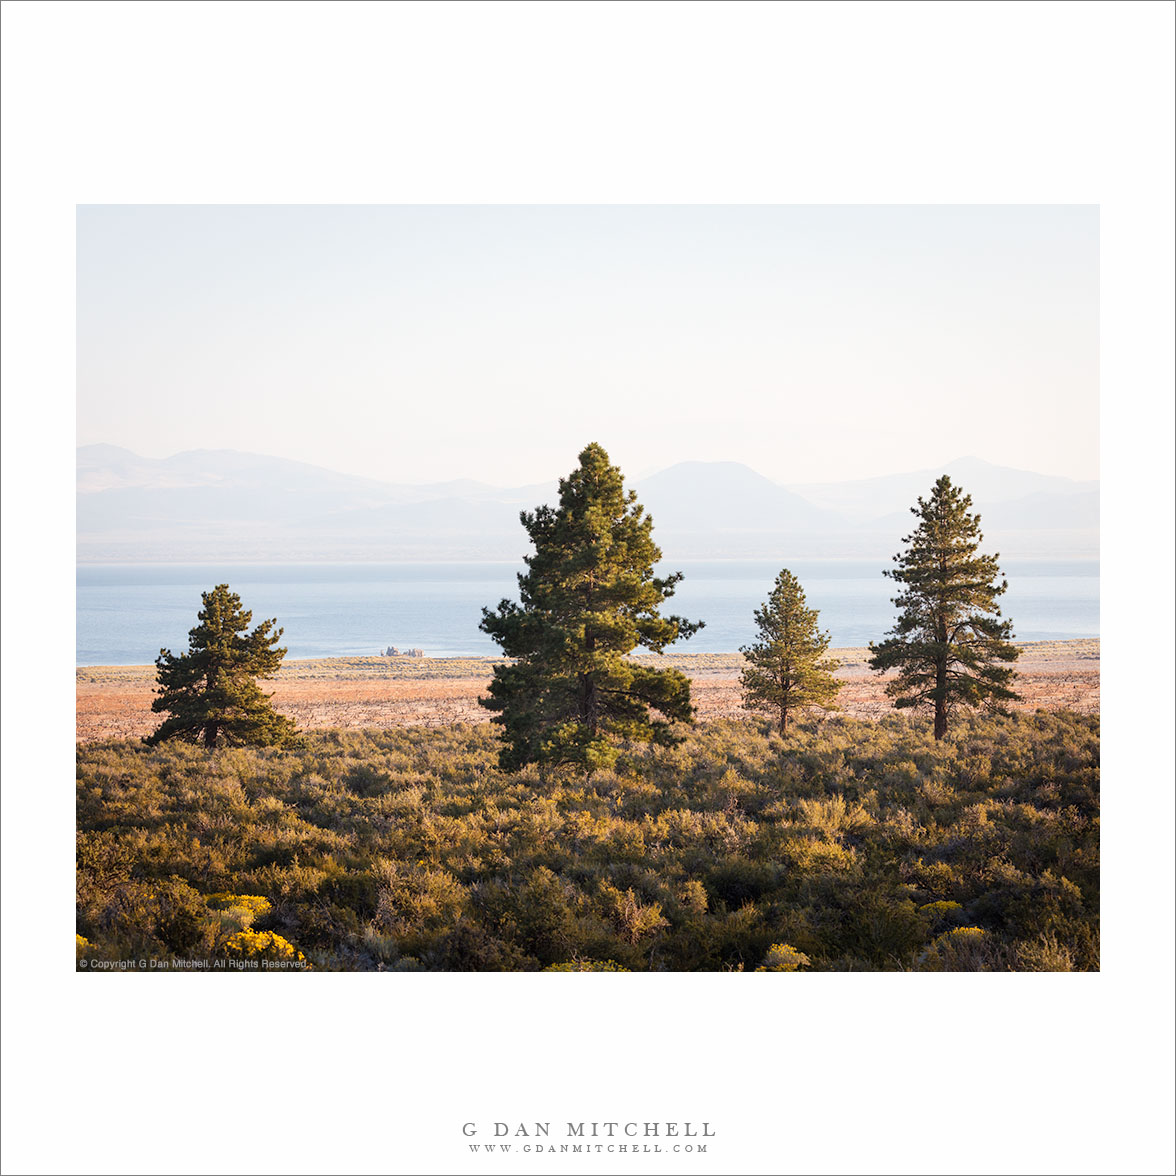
{"points": [[259, 945], [632, 919], [240, 909], [942, 916], [414, 902], [736, 881], [1046, 953], [693, 897], [358, 891], [783, 957], [877, 924], [812, 855], [966, 949], [861, 845], [161, 920], [832, 816], [587, 966]]}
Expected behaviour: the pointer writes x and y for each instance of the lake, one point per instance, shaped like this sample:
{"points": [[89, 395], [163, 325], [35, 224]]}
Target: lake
{"points": [[127, 612]]}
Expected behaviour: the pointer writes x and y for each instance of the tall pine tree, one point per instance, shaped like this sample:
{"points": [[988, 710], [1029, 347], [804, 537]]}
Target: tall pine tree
{"points": [[949, 641], [210, 692], [786, 667], [588, 598]]}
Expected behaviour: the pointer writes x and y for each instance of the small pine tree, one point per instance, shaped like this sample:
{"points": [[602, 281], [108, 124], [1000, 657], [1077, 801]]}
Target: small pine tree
{"points": [[210, 691], [949, 640], [588, 598], [787, 669]]}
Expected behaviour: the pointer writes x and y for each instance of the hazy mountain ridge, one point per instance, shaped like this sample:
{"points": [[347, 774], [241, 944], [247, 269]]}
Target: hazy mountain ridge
{"points": [[204, 505], [727, 497], [868, 499], [102, 468]]}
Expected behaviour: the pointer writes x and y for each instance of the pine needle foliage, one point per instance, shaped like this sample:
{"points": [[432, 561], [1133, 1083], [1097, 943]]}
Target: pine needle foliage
{"points": [[210, 692], [949, 642], [786, 667], [589, 597]]}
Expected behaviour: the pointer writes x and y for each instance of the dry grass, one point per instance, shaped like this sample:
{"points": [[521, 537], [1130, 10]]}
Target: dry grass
{"points": [[324, 669], [114, 702]]}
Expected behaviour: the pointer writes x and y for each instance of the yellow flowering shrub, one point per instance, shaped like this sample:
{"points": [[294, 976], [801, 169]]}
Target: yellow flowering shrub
{"points": [[258, 945], [238, 912], [251, 902], [942, 915], [940, 908], [83, 946], [783, 957]]}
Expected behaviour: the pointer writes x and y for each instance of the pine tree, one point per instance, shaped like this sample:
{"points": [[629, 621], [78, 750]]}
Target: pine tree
{"points": [[787, 669], [949, 640], [210, 691], [588, 598]]}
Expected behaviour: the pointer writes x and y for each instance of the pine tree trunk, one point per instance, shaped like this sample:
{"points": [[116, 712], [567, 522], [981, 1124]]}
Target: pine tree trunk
{"points": [[589, 696], [783, 720], [941, 697], [941, 670]]}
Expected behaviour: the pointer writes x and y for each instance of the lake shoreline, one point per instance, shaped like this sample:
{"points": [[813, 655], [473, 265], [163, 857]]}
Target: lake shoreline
{"points": [[403, 666], [124, 615]]}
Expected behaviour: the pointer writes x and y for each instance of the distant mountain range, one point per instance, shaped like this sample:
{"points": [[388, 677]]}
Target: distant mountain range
{"points": [[875, 498], [213, 505]]}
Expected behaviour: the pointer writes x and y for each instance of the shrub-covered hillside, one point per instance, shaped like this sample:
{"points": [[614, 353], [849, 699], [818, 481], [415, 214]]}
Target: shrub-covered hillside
{"points": [[848, 846]]}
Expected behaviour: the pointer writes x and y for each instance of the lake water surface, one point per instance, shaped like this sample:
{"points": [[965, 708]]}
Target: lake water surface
{"points": [[127, 612]]}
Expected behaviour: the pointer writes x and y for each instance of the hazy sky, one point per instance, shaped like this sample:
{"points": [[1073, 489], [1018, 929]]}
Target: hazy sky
{"points": [[427, 343]]}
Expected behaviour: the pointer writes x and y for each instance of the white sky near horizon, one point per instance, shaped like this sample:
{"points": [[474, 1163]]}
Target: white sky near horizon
{"points": [[424, 343]]}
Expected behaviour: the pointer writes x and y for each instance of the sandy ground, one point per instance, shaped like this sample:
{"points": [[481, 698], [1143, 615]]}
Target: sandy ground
{"points": [[114, 702]]}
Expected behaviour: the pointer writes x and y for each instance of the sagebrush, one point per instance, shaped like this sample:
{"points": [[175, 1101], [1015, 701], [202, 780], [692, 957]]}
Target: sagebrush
{"points": [[848, 846]]}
